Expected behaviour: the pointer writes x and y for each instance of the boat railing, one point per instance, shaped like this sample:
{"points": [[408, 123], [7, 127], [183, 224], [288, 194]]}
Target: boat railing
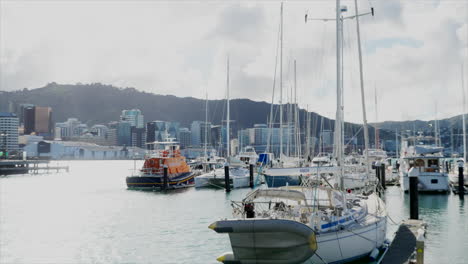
{"points": [[274, 210], [151, 171]]}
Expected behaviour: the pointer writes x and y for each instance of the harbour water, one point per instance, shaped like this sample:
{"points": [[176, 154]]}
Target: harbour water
{"points": [[89, 216]]}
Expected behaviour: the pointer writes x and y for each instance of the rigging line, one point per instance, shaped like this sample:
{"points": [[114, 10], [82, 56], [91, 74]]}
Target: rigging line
{"points": [[270, 126], [339, 245], [321, 258]]}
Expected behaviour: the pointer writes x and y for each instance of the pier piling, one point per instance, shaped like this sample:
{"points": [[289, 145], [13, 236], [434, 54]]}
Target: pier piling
{"points": [[226, 178], [413, 193], [165, 178], [461, 179], [251, 181], [382, 176]]}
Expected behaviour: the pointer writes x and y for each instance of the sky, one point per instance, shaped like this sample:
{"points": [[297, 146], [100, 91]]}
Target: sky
{"points": [[412, 51]]}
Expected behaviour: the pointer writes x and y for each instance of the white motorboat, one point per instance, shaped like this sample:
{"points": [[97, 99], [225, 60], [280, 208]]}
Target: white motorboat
{"points": [[239, 177], [248, 155], [418, 159]]}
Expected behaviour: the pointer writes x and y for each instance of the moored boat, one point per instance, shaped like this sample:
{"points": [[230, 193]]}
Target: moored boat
{"points": [[152, 176], [422, 160]]}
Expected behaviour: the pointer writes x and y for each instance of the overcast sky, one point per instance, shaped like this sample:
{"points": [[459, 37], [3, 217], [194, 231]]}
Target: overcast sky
{"points": [[413, 51]]}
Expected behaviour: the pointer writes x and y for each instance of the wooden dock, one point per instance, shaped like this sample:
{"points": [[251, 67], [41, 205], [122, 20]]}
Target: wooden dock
{"points": [[9, 167], [408, 244]]}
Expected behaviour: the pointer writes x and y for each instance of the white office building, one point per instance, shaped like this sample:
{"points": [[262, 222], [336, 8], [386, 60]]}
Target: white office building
{"points": [[133, 116], [9, 123]]}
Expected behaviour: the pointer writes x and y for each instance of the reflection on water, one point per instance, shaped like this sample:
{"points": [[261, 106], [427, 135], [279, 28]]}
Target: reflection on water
{"points": [[88, 216]]}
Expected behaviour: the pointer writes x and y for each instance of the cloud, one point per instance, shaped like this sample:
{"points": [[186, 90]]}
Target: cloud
{"points": [[413, 51]]}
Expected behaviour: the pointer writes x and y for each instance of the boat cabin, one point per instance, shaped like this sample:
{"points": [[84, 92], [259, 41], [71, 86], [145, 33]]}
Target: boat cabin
{"points": [[424, 163]]}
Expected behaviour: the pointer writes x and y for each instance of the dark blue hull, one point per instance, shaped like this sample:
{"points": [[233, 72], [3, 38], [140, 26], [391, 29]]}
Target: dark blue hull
{"points": [[279, 181], [157, 181]]}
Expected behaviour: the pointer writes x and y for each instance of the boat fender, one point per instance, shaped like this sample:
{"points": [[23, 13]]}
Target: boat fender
{"points": [[374, 254]]}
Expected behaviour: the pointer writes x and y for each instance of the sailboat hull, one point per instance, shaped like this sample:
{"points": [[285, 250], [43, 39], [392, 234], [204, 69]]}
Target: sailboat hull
{"points": [[346, 246]]}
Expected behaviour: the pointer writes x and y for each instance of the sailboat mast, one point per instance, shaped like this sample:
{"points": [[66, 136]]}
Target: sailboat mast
{"points": [[436, 130], [363, 99], [338, 121], [206, 125], [281, 84], [296, 120], [396, 145], [464, 112], [377, 137], [228, 153]]}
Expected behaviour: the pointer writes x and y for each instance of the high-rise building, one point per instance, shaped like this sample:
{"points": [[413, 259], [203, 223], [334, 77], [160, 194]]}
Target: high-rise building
{"points": [[20, 112], [124, 133], [29, 119], [201, 133], [43, 121], [133, 116], [260, 137], [9, 124], [216, 134], [244, 138], [185, 137], [112, 135], [138, 137], [38, 119], [71, 128]]}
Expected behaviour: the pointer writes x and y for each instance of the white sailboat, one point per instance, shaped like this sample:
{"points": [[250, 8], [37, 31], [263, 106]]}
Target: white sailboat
{"points": [[239, 176], [307, 223]]}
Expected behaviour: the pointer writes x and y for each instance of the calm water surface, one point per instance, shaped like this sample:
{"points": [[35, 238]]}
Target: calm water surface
{"points": [[88, 216]]}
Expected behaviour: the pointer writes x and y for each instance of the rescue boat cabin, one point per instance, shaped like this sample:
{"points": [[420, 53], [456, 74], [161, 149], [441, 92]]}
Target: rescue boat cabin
{"points": [[165, 153]]}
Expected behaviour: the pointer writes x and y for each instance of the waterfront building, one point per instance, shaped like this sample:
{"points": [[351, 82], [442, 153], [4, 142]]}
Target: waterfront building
{"points": [[201, 133], [260, 137], [218, 135], [124, 133], [38, 119], [243, 138], [99, 130], [185, 138], [43, 121], [69, 128], [138, 136], [20, 112], [134, 117], [80, 150], [29, 119], [111, 134], [161, 130], [9, 124]]}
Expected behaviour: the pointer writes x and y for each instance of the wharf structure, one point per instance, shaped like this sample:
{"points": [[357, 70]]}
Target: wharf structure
{"points": [[8, 167]]}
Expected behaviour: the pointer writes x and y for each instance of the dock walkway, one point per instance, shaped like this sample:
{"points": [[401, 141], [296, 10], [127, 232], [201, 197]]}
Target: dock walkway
{"points": [[408, 244]]}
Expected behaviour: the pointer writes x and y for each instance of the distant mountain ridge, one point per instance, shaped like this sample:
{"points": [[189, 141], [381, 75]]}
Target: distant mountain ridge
{"points": [[99, 104]]}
